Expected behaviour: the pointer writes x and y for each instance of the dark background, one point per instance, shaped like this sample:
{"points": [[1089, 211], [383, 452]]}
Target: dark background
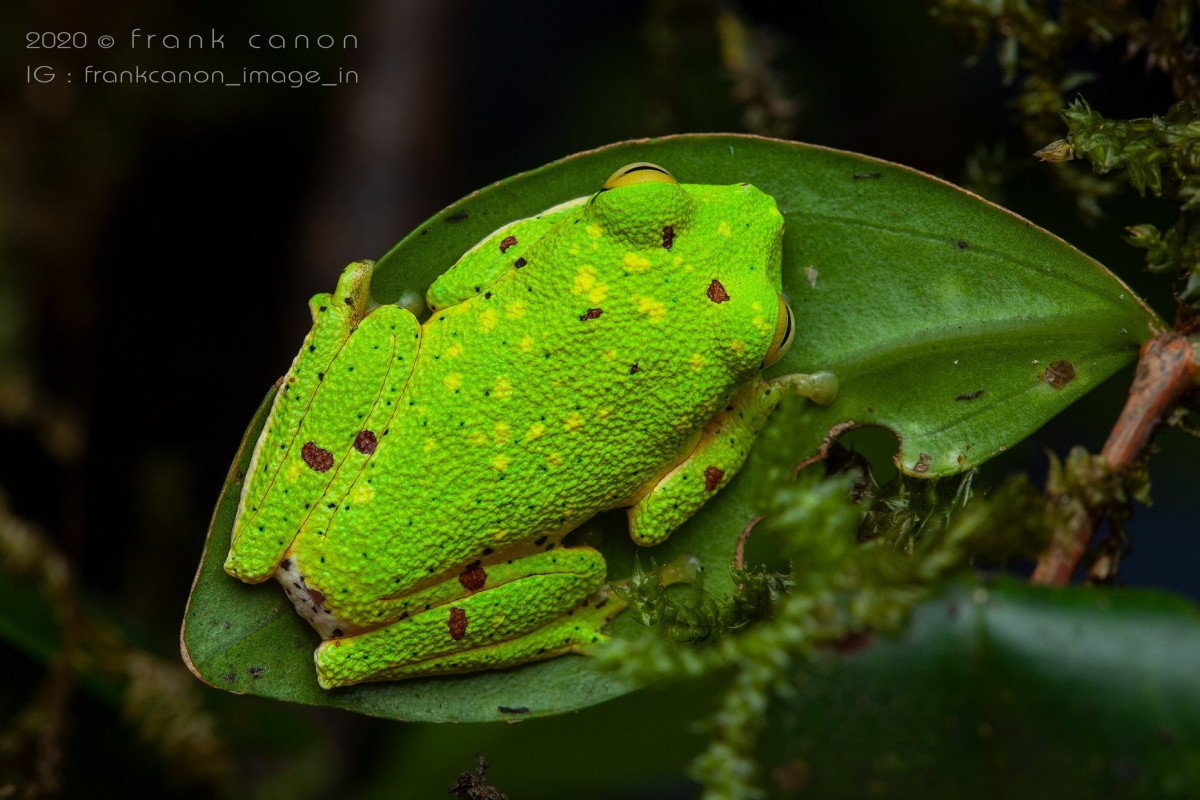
{"points": [[159, 243]]}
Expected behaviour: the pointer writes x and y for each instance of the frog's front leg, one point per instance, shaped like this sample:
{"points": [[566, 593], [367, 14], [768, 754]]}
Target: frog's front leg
{"points": [[530, 608], [718, 454]]}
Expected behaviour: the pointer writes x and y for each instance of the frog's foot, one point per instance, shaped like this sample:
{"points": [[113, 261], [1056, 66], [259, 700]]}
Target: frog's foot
{"points": [[820, 387], [505, 624], [718, 454]]}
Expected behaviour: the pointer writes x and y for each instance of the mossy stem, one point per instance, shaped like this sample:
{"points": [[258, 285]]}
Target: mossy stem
{"points": [[1167, 370]]}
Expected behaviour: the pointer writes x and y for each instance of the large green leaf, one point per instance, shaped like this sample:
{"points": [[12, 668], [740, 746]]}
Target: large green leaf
{"points": [[1002, 691], [940, 313]]}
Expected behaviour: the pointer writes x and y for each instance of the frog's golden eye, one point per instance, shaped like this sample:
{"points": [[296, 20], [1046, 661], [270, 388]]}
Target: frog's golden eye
{"points": [[639, 172], [785, 331]]}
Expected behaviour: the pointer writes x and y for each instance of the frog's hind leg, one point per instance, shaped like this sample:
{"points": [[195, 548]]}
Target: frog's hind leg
{"points": [[505, 623], [326, 421], [719, 453]]}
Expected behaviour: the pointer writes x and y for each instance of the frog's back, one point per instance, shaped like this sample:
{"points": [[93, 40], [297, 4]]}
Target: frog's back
{"points": [[581, 374]]}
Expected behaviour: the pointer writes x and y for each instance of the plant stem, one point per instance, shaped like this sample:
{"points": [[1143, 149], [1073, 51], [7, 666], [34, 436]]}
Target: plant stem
{"points": [[1167, 370]]}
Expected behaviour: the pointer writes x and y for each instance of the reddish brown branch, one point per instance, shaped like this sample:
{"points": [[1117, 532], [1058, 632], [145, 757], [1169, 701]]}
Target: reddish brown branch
{"points": [[1166, 372]]}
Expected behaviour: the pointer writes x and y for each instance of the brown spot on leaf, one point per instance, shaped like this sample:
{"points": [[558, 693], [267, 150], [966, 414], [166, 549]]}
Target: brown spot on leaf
{"points": [[513, 709], [315, 457], [970, 395], [1059, 374], [591, 313], [961, 245], [668, 237], [365, 442], [712, 478], [458, 623], [256, 672], [865, 176], [507, 242], [473, 577], [716, 292]]}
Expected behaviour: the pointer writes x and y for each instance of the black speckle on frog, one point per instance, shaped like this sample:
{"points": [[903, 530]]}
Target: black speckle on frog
{"points": [[668, 237], [591, 313]]}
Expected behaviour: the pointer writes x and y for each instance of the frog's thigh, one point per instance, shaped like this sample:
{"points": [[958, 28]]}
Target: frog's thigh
{"points": [[551, 609], [326, 442], [719, 453]]}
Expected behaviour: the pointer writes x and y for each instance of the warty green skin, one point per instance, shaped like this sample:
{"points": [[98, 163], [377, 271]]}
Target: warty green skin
{"points": [[414, 481]]}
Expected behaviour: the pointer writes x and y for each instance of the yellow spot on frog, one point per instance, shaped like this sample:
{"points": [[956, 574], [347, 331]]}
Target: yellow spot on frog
{"points": [[430, 444], [604, 414], [554, 459], [574, 250], [502, 388], [573, 421], [593, 230], [478, 438], [487, 320], [364, 493], [293, 471], [500, 462], [761, 324], [452, 381], [502, 432], [737, 345], [454, 350], [526, 344], [756, 306], [652, 308], [535, 431], [635, 263], [697, 361], [610, 355], [724, 229], [586, 283], [515, 310]]}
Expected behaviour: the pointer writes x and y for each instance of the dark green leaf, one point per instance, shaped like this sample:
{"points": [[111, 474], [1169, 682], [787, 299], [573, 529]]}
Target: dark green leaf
{"points": [[940, 313], [1002, 691]]}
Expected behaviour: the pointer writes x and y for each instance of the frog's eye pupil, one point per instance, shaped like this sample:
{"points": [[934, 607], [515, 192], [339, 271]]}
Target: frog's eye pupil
{"points": [[638, 172], [785, 331]]}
